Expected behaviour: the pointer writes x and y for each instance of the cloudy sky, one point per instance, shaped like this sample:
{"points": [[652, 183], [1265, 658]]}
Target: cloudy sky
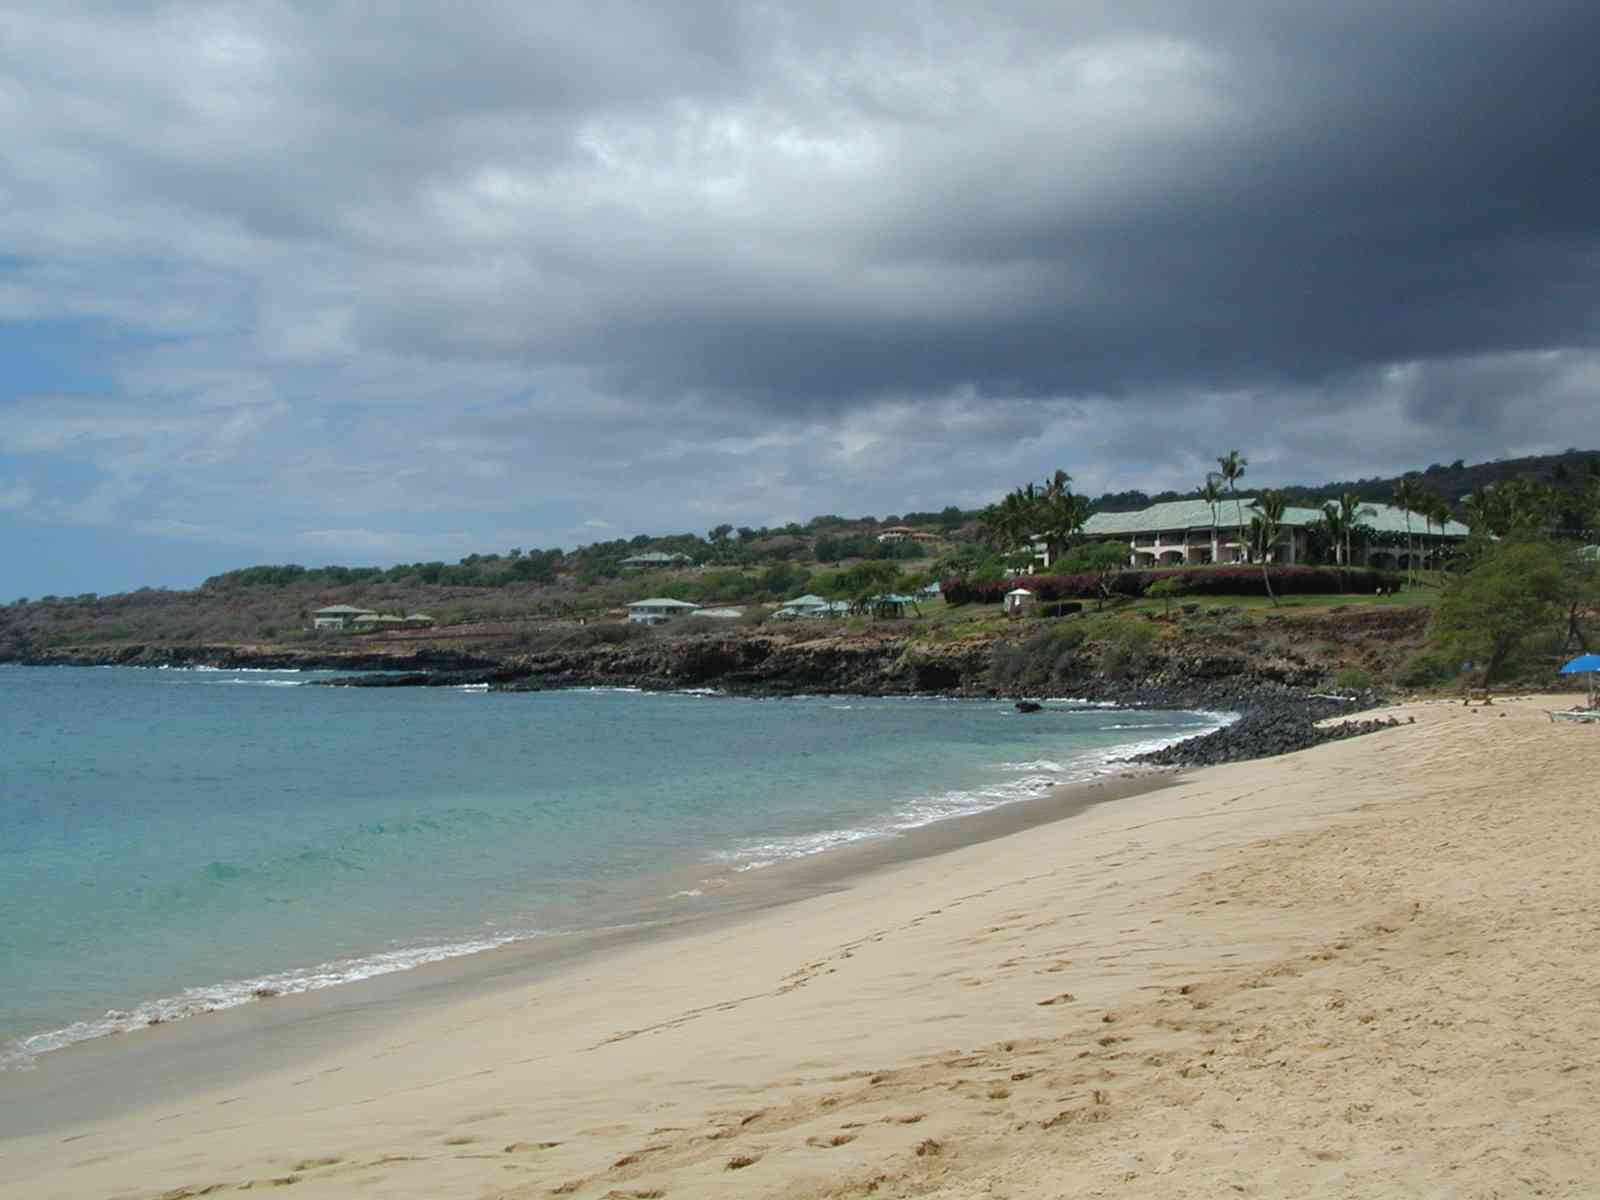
{"points": [[368, 282]]}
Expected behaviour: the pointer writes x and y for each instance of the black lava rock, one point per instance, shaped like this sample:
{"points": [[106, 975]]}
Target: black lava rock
{"points": [[1263, 733]]}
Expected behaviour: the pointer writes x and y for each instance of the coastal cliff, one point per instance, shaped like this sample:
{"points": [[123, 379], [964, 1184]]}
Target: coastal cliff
{"points": [[1129, 660]]}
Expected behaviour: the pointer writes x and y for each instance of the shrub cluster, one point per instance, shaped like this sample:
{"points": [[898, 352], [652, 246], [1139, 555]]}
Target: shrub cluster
{"points": [[1196, 581]]}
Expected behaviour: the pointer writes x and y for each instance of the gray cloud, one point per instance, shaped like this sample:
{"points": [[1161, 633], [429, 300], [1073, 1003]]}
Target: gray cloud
{"points": [[441, 270]]}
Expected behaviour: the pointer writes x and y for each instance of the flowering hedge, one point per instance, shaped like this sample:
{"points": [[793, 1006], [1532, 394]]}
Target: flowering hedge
{"points": [[1200, 581]]}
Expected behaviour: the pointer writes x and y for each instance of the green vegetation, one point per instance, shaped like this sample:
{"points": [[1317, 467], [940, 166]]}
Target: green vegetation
{"points": [[1352, 679], [1051, 513], [1517, 605], [1166, 590]]}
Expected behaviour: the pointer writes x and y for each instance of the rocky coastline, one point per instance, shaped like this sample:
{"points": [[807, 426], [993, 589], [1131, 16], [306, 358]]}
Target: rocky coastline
{"points": [[1266, 733], [1280, 697]]}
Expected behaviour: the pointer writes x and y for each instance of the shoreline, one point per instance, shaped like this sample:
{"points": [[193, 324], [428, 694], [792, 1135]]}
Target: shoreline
{"points": [[102, 1076], [683, 898], [1359, 969]]}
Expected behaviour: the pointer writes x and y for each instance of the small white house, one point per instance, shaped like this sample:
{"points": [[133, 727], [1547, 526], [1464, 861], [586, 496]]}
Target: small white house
{"points": [[1019, 600], [339, 616], [803, 606], [658, 611]]}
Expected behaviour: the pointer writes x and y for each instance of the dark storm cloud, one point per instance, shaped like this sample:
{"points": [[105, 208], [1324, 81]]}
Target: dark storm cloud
{"points": [[453, 266]]}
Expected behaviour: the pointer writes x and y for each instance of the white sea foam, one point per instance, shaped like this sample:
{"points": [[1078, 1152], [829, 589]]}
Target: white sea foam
{"points": [[260, 682], [205, 670], [470, 687], [1025, 781], [20, 1054]]}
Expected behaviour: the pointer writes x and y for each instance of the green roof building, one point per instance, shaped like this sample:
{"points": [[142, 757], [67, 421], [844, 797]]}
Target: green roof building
{"points": [[1188, 533]]}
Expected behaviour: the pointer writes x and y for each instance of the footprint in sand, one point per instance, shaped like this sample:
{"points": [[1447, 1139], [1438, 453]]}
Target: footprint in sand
{"points": [[829, 1143]]}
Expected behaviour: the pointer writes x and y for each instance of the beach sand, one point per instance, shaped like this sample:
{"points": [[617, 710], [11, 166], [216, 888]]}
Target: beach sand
{"points": [[1363, 970]]}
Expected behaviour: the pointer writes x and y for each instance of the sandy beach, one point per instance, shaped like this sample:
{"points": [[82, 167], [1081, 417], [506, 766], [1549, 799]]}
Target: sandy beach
{"points": [[1362, 970]]}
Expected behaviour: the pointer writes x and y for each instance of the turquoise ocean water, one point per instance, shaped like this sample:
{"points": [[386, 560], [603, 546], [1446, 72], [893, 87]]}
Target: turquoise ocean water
{"points": [[173, 840]]}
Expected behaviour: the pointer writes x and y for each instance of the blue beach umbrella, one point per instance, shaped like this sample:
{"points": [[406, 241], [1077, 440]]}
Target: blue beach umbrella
{"points": [[1584, 664]]}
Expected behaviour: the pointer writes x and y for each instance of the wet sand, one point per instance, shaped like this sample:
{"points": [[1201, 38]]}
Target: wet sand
{"points": [[1359, 970]]}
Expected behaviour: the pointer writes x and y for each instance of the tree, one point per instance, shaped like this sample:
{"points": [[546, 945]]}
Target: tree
{"points": [[1060, 514], [1583, 594], [1408, 498], [1519, 507], [1231, 467], [1333, 525], [1350, 511], [1439, 513], [783, 579], [1050, 511], [1273, 505], [1100, 559], [1165, 589], [1514, 590], [861, 583], [1212, 493]]}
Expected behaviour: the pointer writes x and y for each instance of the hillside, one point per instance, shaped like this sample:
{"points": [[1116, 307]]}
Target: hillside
{"points": [[504, 595], [1454, 481]]}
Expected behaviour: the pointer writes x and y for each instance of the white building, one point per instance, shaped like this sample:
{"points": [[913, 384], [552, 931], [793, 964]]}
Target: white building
{"points": [[658, 611], [1189, 533], [340, 616], [1019, 600], [810, 606]]}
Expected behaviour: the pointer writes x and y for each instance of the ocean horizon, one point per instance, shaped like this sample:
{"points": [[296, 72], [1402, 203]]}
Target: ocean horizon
{"points": [[180, 841]]}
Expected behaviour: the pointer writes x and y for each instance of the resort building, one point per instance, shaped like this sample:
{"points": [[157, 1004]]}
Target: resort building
{"points": [[340, 616], [658, 611], [1189, 533]]}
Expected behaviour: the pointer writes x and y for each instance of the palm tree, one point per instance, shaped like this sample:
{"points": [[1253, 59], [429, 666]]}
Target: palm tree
{"points": [[1231, 467], [1408, 498], [1272, 505], [1061, 513], [1440, 512], [1338, 533], [1485, 512], [992, 526], [1016, 518], [1212, 495], [1426, 506], [1350, 518]]}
